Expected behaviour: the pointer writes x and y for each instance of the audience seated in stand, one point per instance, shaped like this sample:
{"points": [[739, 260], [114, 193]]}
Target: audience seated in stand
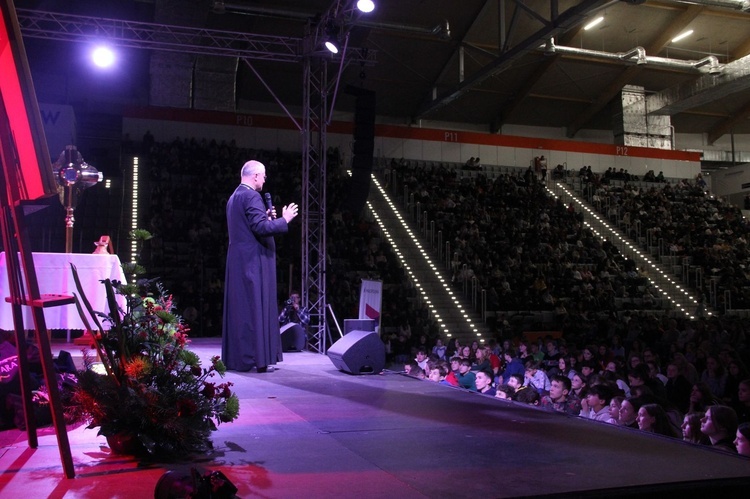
{"points": [[530, 250]]}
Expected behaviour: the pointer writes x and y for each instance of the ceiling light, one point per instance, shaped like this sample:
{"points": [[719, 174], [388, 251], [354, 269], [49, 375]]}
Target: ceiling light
{"points": [[593, 23], [365, 5], [681, 36]]}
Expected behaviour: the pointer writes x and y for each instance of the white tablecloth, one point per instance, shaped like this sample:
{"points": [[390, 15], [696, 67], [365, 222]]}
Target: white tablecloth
{"points": [[54, 276]]}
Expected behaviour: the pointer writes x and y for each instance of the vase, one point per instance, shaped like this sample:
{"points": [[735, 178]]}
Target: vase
{"points": [[125, 443]]}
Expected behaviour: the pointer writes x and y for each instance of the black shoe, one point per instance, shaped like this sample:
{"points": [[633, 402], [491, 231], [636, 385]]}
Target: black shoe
{"points": [[266, 369]]}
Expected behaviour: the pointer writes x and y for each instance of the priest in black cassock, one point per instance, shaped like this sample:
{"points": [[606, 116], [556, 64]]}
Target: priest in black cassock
{"points": [[250, 336]]}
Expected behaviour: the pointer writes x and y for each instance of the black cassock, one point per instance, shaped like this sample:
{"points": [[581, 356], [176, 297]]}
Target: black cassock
{"points": [[250, 330]]}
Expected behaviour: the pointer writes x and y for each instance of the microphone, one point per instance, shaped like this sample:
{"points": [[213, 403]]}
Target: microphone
{"points": [[269, 202]]}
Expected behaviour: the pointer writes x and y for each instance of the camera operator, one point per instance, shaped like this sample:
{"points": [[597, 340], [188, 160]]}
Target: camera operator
{"points": [[293, 320], [293, 313]]}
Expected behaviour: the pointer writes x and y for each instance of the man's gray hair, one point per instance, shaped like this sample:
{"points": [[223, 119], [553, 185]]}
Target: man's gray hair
{"points": [[251, 168]]}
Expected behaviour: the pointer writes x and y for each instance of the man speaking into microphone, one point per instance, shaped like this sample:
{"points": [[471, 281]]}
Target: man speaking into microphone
{"points": [[250, 329]]}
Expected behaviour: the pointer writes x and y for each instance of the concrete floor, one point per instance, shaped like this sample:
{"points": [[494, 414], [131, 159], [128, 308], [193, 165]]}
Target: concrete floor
{"points": [[309, 430]]}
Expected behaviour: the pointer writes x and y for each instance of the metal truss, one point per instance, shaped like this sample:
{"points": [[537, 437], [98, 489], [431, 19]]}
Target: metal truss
{"points": [[314, 146], [318, 100], [169, 38], [76, 28]]}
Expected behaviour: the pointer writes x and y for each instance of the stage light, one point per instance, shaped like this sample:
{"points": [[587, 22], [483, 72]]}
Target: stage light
{"points": [[332, 45], [365, 5], [103, 56]]}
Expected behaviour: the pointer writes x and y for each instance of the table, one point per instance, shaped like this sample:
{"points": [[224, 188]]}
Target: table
{"points": [[55, 276]]}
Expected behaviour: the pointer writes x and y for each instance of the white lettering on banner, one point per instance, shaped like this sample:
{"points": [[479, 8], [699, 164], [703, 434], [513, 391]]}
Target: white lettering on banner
{"points": [[621, 150], [370, 299], [451, 137], [8, 367]]}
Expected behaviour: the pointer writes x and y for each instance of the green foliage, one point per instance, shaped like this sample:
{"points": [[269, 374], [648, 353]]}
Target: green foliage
{"points": [[148, 384]]}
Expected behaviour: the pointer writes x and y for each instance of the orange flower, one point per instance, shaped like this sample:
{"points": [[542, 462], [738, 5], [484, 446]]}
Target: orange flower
{"points": [[138, 367]]}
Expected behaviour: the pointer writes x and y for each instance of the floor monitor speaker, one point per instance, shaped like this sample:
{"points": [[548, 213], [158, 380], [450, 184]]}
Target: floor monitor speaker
{"points": [[359, 352], [292, 337]]}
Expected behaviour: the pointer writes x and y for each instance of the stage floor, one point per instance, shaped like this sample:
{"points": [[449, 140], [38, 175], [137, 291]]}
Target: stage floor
{"points": [[309, 430]]}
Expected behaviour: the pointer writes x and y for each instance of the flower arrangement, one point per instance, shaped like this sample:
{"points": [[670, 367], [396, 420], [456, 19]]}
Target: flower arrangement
{"points": [[148, 387]]}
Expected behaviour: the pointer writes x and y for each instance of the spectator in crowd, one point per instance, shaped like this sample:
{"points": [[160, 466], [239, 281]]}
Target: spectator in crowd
{"points": [[564, 368], [421, 358], [685, 368], [512, 366], [504, 392], [742, 407], [579, 383], [640, 376], [453, 367], [677, 388], [736, 373], [453, 349], [701, 398], [437, 373], [439, 349], [651, 417], [655, 373], [481, 360], [614, 408], [714, 376], [536, 378], [527, 395], [742, 440], [551, 355], [516, 381], [466, 377], [629, 412], [719, 424], [412, 369], [596, 404], [483, 381], [588, 368], [557, 399], [691, 428], [495, 362]]}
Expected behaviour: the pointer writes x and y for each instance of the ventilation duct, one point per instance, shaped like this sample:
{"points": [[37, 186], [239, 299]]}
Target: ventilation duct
{"points": [[638, 56]]}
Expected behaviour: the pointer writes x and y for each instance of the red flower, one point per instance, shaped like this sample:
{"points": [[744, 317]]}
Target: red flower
{"points": [[186, 408], [209, 390]]}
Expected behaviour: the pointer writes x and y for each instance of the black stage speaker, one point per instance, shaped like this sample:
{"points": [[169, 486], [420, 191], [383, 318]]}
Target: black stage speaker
{"points": [[359, 325], [292, 337], [359, 352], [363, 148]]}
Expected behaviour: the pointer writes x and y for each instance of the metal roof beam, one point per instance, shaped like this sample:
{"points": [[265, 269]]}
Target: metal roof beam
{"points": [[560, 24], [615, 87], [524, 90], [726, 125], [735, 77]]}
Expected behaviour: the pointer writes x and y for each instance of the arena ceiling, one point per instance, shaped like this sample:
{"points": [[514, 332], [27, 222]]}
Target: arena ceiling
{"points": [[484, 62]]}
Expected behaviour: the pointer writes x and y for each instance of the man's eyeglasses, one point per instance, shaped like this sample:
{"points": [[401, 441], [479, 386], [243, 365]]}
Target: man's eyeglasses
{"points": [[264, 175]]}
